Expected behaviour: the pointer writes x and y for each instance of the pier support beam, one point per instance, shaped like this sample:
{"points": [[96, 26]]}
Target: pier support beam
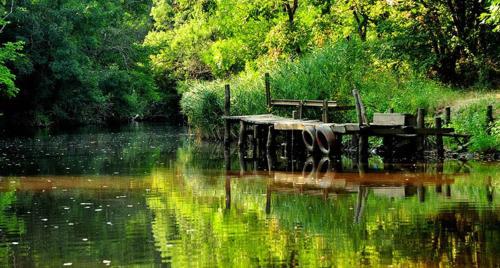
{"points": [[242, 141], [270, 148], [439, 139], [489, 118], [363, 151], [447, 115], [227, 128], [421, 138]]}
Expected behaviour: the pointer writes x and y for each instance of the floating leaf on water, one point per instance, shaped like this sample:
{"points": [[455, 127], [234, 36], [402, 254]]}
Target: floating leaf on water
{"points": [[67, 264], [106, 262], [15, 243], [85, 239]]}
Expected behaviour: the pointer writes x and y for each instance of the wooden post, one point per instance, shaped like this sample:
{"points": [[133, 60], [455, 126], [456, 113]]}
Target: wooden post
{"points": [[421, 193], [270, 141], [388, 142], [439, 139], [489, 118], [242, 139], [256, 142], [267, 81], [301, 109], [363, 150], [421, 139], [228, 192], [227, 128], [420, 118], [325, 111], [268, 198], [294, 115], [337, 148], [447, 115], [439, 171]]}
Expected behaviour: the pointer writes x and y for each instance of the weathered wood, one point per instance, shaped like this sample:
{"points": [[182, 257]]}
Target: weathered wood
{"points": [[256, 141], [421, 139], [267, 81], [489, 118], [227, 128], [301, 109], [360, 109], [439, 139], [421, 118], [447, 115], [242, 142], [363, 150], [291, 124], [325, 111], [388, 142], [346, 128], [228, 192], [294, 115], [270, 141], [410, 131], [421, 193], [310, 103], [393, 119], [337, 147]]}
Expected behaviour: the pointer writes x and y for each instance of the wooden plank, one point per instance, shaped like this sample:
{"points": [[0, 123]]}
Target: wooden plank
{"points": [[382, 131], [310, 103], [294, 124], [345, 128], [393, 119], [239, 117], [360, 109], [267, 81]]}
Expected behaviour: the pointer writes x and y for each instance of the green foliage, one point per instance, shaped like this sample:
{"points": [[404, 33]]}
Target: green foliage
{"points": [[471, 119], [492, 16], [8, 52], [444, 39], [84, 62], [328, 73]]}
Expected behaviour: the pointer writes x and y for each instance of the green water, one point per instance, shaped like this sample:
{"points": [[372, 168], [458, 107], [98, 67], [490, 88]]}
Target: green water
{"points": [[148, 195]]}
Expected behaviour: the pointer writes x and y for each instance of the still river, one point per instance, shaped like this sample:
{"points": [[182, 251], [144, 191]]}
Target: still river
{"points": [[148, 195]]}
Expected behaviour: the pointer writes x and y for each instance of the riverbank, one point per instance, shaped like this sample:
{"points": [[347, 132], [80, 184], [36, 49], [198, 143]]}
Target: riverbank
{"points": [[331, 73]]}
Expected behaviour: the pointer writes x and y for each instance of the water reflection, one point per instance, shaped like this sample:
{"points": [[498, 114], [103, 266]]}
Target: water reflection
{"points": [[172, 202]]}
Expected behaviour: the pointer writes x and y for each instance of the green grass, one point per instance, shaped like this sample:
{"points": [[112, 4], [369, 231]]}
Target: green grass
{"points": [[328, 73]]}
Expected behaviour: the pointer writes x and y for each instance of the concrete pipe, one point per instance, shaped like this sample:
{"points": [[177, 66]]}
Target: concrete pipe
{"points": [[309, 138], [325, 139]]}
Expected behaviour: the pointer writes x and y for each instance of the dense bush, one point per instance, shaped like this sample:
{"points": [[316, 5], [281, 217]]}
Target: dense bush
{"points": [[471, 119], [331, 73]]}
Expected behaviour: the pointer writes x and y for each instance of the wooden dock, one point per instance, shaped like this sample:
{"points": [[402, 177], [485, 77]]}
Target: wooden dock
{"points": [[320, 136]]}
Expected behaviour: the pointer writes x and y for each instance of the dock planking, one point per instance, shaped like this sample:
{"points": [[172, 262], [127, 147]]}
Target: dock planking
{"points": [[322, 136]]}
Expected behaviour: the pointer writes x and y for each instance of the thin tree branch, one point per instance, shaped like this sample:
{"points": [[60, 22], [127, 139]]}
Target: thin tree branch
{"points": [[6, 15]]}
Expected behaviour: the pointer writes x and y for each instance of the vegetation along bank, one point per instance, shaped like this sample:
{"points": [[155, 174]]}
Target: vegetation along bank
{"points": [[73, 62]]}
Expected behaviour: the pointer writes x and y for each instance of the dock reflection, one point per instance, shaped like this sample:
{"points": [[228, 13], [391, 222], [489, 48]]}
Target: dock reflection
{"points": [[327, 177]]}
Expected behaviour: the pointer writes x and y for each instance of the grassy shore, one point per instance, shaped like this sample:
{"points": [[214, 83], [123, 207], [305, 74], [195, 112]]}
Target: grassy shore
{"points": [[332, 73]]}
